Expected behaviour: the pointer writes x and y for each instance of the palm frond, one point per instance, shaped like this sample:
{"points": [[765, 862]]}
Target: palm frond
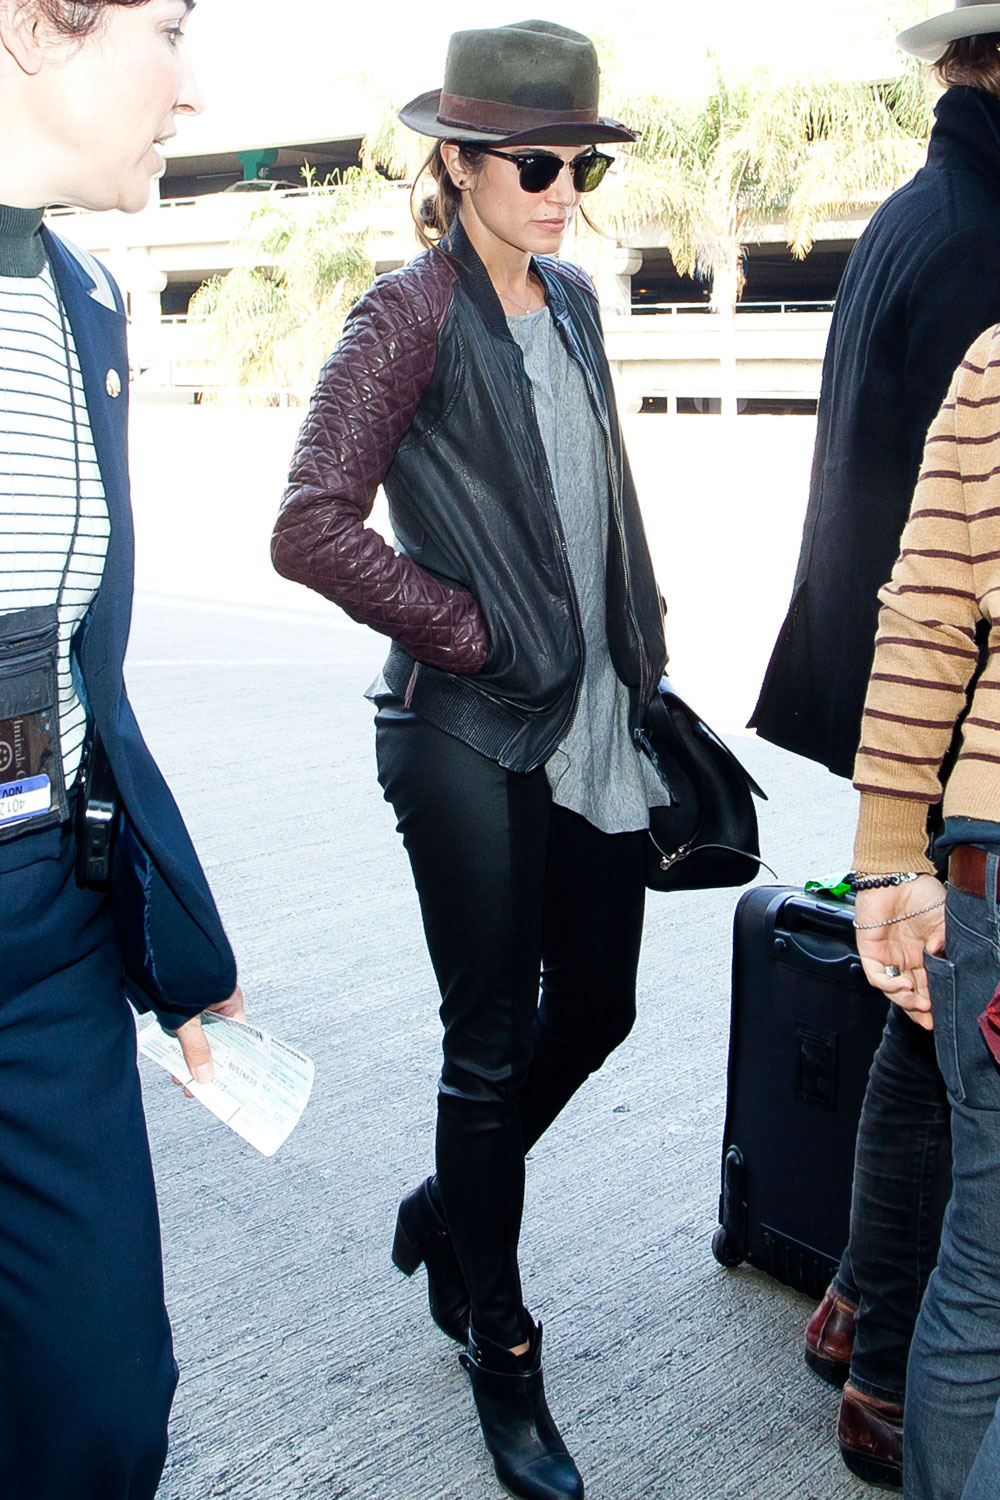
{"points": [[758, 150], [275, 317], [840, 176], [390, 146]]}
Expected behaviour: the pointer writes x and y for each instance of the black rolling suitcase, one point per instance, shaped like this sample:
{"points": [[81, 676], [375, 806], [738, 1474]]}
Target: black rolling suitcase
{"points": [[805, 1024]]}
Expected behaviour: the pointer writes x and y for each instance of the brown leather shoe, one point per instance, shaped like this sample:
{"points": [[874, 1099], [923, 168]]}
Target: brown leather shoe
{"points": [[870, 1434], [830, 1338]]}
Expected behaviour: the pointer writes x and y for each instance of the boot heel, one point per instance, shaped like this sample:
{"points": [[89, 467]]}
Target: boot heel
{"points": [[421, 1239], [405, 1255]]}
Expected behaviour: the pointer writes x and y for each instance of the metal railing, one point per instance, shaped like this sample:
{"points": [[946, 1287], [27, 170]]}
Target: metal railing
{"points": [[320, 190], [674, 309]]}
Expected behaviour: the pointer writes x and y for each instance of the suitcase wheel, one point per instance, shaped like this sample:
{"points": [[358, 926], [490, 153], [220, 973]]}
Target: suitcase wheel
{"points": [[724, 1249]]}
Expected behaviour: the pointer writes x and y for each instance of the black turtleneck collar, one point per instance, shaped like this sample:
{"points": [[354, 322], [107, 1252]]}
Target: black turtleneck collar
{"points": [[21, 250], [967, 130]]}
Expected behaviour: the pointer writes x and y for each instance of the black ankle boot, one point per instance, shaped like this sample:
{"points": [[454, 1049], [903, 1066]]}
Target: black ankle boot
{"points": [[530, 1458], [421, 1237]]}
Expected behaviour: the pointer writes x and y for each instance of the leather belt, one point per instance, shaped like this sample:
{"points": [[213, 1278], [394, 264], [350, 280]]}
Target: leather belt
{"points": [[967, 871]]}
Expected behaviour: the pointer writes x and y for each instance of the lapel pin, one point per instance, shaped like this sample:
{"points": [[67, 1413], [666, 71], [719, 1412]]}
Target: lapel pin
{"points": [[113, 383]]}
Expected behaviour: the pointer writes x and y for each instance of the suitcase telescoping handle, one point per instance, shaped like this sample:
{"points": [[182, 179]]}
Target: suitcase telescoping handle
{"points": [[814, 935]]}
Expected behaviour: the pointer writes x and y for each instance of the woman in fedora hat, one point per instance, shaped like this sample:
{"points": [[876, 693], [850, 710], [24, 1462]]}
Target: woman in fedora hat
{"points": [[527, 641]]}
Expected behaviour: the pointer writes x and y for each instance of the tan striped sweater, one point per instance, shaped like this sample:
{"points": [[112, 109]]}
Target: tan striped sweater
{"points": [[947, 578]]}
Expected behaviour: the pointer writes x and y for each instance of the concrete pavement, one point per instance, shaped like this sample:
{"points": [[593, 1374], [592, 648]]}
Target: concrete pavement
{"points": [[310, 1368]]}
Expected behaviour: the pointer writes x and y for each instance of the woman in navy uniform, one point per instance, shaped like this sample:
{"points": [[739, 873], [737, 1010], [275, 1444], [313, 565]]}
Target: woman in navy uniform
{"points": [[87, 90]]}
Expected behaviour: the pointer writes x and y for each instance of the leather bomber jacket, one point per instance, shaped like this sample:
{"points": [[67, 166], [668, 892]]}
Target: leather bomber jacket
{"points": [[426, 394]]}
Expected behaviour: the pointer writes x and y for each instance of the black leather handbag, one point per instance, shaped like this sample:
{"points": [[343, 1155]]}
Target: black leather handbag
{"points": [[707, 836]]}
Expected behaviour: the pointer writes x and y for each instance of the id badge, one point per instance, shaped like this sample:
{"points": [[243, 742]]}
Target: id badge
{"points": [[32, 785]]}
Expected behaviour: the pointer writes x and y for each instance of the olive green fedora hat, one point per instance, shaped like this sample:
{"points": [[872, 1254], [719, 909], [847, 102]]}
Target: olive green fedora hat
{"points": [[930, 39], [532, 82]]}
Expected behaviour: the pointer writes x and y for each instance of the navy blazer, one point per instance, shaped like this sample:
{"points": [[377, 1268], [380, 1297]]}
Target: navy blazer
{"points": [[177, 956]]}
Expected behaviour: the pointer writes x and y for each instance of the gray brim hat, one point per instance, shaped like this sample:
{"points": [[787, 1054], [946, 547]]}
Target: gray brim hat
{"points": [[929, 39], [532, 82]]}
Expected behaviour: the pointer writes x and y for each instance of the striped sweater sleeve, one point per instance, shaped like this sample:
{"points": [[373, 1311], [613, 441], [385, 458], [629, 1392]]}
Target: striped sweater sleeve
{"points": [[925, 650]]}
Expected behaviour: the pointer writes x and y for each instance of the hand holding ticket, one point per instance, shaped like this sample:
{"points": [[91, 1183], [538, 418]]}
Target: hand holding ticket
{"points": [[260, 1086]]}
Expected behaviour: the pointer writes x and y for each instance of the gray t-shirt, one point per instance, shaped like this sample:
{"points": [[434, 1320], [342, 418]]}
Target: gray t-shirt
{"points": [[595, 771]]}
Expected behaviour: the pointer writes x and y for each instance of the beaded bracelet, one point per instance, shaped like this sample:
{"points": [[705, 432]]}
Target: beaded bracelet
{"points": [[861, 882]]}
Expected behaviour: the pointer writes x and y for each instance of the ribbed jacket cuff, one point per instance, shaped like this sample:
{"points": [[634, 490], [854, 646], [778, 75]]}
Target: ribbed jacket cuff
{"points": [[892, 835]]}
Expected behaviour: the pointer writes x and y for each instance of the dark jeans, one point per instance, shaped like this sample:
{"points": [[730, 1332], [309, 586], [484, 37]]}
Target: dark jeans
{"points": [[87, 1372], [902, 1179], [952, 1431], [513, 891]]}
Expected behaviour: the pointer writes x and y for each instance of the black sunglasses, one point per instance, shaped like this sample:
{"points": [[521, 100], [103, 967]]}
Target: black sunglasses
{"points": [[539, 169]]}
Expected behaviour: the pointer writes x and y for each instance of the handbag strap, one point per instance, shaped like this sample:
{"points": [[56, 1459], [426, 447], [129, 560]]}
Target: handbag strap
{"points": [[667, 860]]}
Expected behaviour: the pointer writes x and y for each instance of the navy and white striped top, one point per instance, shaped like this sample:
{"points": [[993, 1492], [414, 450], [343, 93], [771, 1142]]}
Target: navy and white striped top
{"points": [[38, 480]]}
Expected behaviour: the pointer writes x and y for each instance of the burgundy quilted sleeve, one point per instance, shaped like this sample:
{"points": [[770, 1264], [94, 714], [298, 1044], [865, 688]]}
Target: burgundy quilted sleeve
{"points": [[363, 404]]}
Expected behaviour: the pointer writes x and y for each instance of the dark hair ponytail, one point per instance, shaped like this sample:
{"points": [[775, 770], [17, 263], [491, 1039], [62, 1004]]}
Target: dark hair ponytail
{"points": [[436, 213]]}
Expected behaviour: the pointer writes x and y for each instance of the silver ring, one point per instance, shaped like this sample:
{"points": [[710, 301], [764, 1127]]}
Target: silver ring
{"points": [[892, 972]]}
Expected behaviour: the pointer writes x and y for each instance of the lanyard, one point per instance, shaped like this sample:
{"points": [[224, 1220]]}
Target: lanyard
{"points": [[77, 466]]}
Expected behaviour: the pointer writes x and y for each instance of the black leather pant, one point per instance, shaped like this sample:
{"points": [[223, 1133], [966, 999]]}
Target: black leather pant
{"points": [[512, 891]]}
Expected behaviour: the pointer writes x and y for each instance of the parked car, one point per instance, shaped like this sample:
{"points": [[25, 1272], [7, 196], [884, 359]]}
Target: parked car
{"points": [[262, 185]]}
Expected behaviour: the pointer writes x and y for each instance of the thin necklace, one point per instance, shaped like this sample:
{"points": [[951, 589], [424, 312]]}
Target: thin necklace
{"points": [[506, 296]]}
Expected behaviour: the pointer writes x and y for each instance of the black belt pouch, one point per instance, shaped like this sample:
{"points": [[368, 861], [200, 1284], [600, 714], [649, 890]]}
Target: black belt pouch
{"points": [[32, 784]]}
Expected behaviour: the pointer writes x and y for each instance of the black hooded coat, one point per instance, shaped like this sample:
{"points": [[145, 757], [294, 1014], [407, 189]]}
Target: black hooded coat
{"points": [[922, 283]]}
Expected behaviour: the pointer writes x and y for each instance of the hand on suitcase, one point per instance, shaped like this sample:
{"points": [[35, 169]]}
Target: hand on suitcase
{"points": [[900, 944]]}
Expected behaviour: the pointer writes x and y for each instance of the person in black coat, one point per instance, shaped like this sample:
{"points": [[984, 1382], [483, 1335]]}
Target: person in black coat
{"points": [[920, 286]]}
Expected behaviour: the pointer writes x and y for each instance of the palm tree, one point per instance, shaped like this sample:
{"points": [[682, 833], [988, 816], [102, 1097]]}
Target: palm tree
{"points": [[713, 172], [390, 147], [274, 318]]}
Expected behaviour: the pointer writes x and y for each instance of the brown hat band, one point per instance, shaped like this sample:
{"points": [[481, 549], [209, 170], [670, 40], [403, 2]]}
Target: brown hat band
{"points": [[487, 114]]}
